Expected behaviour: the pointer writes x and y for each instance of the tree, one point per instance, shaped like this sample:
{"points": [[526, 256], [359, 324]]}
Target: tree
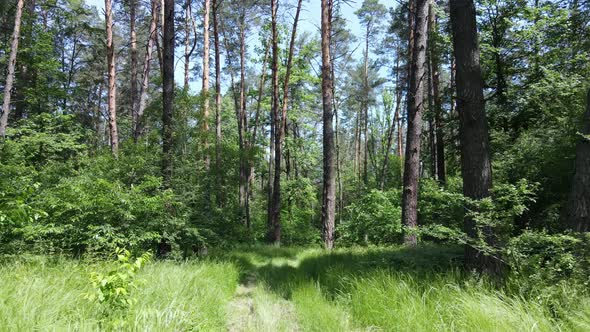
{"points": [[143, 92], [368, 15], [329, 177], [415, 108], [112, 77], [577, 213], [205, 89], [133, 45], [473, 128], [280, 125], [10, 72], [168, 91], [217, 51], [435, 102], [274, 228]]}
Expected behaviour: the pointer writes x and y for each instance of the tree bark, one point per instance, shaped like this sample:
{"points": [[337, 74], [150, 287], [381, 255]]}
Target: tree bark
{"points": [[187, 56], [415, 108], [143, 92], [329, 177], [133, 46], [243, 127], [11, 65], [168, 92], [274, 226], [438, 112], [112, 85], [473, 128], [205, 88], [578, 206], [366, 108], [217, 94]]}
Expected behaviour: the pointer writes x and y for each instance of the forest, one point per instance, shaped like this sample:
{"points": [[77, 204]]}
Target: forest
{"points": [[291, 165]]}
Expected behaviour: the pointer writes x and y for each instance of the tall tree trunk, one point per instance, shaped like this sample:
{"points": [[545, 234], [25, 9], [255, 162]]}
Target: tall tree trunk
{"points": [[112, 85], [143, 92], [11, 65], [415, 108], [366, 107], [473, 127], [274, 230], [217, 95], [357, 145], [281, 122], [252, 142], [577, 212], [243, 127], [205, 88], [438, 112], [187, 34], [391, 129], [133, 45], [168, 92], [329, 177]]}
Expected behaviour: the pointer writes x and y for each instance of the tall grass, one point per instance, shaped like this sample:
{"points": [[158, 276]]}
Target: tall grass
{"points": [[287, 289], [44, 295], [400, 289]]}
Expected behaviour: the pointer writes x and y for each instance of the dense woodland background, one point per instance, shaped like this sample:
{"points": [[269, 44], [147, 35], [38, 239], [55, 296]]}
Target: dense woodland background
{"points": [[298, 138]]}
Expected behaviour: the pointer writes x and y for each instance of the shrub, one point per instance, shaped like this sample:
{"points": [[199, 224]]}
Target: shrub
{"points": [[113, 289], [374, 219]]}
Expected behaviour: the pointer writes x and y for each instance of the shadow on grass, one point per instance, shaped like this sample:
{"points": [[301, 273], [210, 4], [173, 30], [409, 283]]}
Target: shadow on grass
{"points": [[282, 270]]}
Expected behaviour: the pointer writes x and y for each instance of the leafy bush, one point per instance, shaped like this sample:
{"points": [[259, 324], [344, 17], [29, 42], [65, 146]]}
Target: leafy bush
{"points": [[441, 205], [114, 288], [374, 219], [550, 268]]}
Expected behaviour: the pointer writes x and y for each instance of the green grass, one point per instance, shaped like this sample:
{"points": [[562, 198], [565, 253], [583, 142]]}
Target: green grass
{"points": [[282, 289], [41, 295]]}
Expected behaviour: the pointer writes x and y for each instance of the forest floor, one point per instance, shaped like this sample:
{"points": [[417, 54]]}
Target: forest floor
{"points": [[277, 289]]}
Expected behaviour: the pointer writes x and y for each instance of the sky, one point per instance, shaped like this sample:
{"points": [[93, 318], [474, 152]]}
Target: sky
{"points": [[309, 21]]}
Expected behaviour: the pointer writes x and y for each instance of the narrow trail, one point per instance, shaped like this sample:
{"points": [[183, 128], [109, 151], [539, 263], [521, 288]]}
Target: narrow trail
{"points": [[255, 308]]}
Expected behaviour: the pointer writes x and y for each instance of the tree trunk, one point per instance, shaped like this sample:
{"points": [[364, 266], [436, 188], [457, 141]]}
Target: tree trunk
{"points": [[143, 93], [390, 131], [205, 88], [578, 206], [366, 108], [252, 142], [187, 56], [281, 121], [473, 128], [133, 45], [112, 85], [243, 128], [274, 230], [168, 92], [217, 95], [11, 65], [438, 112], [329, 177], [415, 108]]}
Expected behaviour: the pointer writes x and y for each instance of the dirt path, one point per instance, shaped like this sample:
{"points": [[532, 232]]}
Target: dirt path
{"points": [[254, 308]]}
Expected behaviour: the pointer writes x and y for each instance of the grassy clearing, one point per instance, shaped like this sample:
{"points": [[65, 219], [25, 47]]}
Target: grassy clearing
{"points": [[282, 289]]}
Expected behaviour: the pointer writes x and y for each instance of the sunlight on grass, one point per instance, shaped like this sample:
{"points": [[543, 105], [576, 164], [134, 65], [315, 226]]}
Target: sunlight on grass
{"points": [[281, 289], [41, 294]]}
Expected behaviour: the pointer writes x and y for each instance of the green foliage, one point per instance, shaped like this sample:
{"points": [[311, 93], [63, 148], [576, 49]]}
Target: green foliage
{"points": [[374, 219], [552, 269], [114, 289], [441, 205]]}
